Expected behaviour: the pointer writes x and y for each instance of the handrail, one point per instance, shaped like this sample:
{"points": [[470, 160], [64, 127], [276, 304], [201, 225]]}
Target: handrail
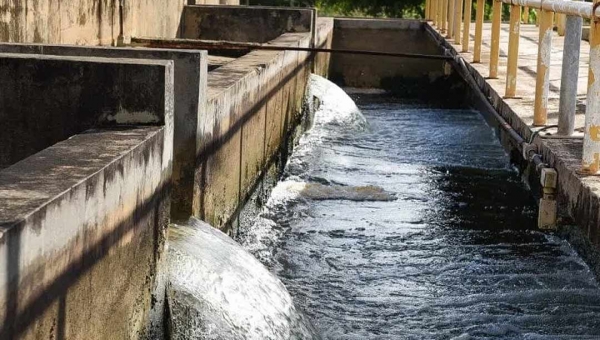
{"points": [[575, 8]]}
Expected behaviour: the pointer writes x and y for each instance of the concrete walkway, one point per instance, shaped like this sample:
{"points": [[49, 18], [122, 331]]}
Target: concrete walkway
{"points": [[526, 77]]}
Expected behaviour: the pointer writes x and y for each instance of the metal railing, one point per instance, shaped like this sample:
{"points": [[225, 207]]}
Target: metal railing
{"points": [[448, 16]]}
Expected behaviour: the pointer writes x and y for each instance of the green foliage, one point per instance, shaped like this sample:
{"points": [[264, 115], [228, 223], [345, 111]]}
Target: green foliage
{"points": [[370, 8], [375, 8]]}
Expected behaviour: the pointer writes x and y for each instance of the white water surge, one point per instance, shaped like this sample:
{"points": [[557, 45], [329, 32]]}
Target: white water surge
{"points": [[219, 291]]}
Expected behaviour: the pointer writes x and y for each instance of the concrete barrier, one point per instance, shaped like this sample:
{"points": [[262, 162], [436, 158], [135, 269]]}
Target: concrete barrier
{"points": [[253, 104], [190, 74], [82, 222], [401, 36], [243, 23]]}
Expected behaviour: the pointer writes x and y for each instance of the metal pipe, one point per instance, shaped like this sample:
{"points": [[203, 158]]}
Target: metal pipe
{"points": [[513, 51], [495, 48], [576, 8], [479, 14], [227, 45], [467, 25], [542, 84], [570, 75], [591, 139]]}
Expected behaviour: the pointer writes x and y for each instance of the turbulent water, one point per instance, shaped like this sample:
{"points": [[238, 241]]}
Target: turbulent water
{"points": [[409, 223], [219, 291]]}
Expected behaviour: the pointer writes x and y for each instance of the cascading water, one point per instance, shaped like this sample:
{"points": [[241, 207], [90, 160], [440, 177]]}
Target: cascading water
{"points": [[415, 226], [217, 290]]}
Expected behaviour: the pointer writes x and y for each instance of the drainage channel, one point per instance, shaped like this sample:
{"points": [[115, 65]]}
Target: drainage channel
{"points": [[408, 222]]}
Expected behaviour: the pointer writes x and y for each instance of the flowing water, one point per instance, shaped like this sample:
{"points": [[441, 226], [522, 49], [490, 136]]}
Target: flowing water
{"points": [[218, 291], [410, 223]]}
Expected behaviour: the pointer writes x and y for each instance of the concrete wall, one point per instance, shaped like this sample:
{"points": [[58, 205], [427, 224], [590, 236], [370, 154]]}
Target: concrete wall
{"points": [[253, 103], [82, 223], [324, 39], [401, 36], [45, 100], [89, 22], [245, 24], [190, 74]]}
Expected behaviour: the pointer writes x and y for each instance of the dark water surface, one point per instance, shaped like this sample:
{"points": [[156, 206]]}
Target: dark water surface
{"points": [[417, 227]]}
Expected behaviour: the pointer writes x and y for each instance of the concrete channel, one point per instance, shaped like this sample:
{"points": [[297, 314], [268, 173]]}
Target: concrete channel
{"points": [[101, 147]]}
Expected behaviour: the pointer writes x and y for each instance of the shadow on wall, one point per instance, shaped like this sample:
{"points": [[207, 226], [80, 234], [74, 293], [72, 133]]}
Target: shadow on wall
{"points": [[20, 319]]}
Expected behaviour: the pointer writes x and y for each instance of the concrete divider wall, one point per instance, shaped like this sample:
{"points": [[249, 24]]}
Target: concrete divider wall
{"points": [[48, 99], [253, 103], [82, 223], [243, 24], [190, 74], [401, 36]]}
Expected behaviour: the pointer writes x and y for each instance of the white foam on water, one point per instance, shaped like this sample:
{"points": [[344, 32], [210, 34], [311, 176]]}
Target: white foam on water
{"points": [[217, 290], [336, 107]]}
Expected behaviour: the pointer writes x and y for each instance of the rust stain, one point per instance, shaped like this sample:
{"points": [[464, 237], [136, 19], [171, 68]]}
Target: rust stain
{"points": [[595, 133]]}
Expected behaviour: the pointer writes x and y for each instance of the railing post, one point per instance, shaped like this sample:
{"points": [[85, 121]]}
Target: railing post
{"points": [[444, 15], [495, 48], [570, 75], [427, 6], [438, 14], [458, 13], [591, 140], [479, 14], [467, 25], [513, 51], [560, 24], [525, 15], [542, 84], [451, 13]]}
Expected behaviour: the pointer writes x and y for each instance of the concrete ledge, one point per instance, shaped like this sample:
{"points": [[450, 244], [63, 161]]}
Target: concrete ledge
{"points": [[82, 229], [46, 99], [243, 23], [190, 73], [253, 102]]}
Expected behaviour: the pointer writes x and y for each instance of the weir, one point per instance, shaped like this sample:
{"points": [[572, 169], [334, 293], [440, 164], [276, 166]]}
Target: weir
{"points": [[386, 208]]}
